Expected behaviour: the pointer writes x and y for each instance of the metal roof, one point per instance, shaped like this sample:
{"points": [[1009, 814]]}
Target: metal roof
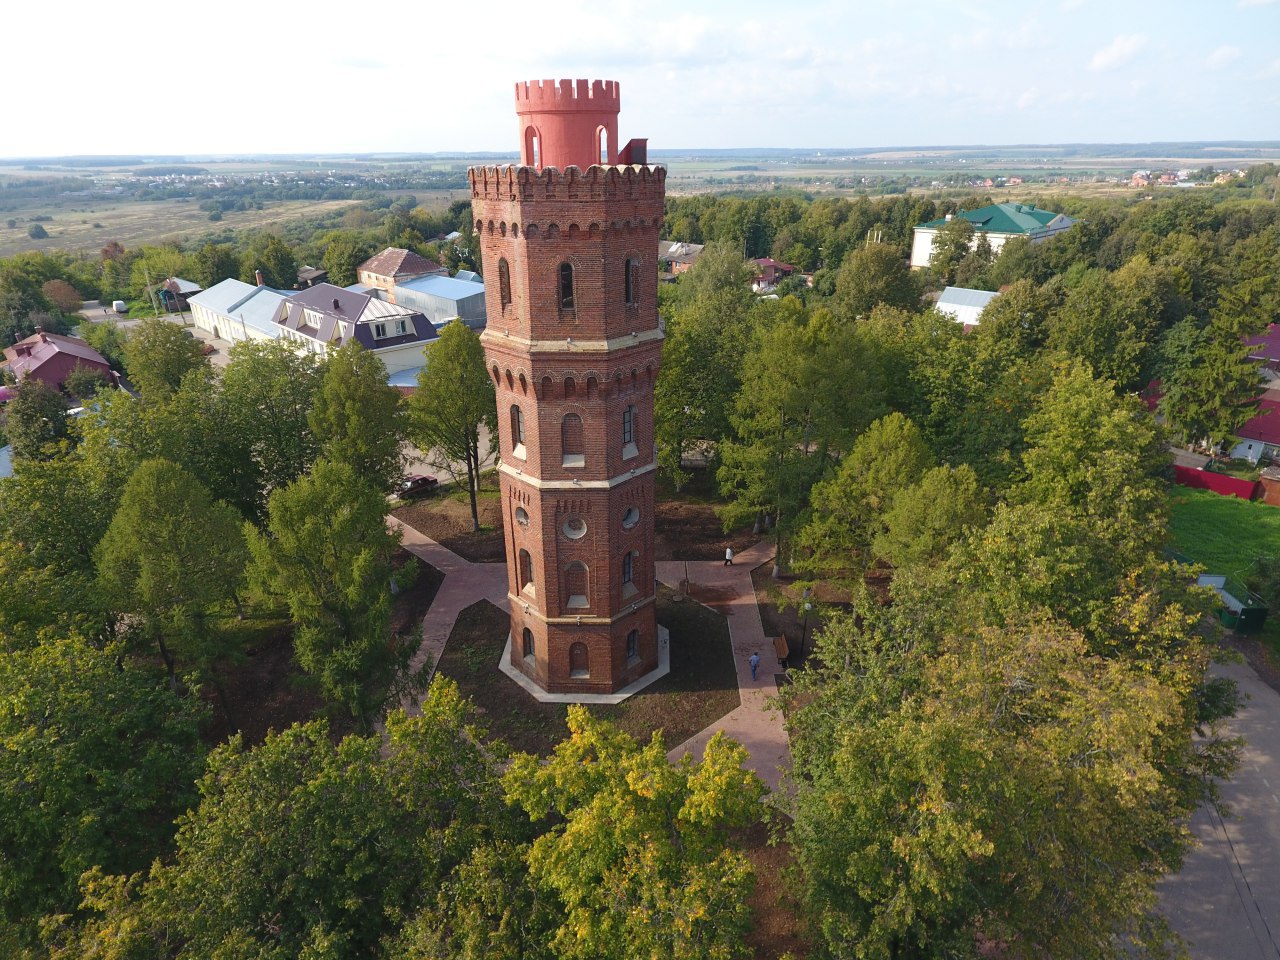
{"points": [[449, 288], [1003, 218], [965, 297]]}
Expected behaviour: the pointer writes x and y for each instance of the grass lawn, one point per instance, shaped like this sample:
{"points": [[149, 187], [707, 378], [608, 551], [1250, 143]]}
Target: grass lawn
{"points": [[1225, 535], [701, 688]]}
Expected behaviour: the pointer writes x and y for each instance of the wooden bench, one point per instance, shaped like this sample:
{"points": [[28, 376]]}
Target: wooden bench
{"points": [[782, 649]]}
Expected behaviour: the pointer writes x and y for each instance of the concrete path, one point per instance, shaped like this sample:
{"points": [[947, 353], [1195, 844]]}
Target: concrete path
{"points": [[1226, 899], [464, 584], [755, 725], [728, 590]]}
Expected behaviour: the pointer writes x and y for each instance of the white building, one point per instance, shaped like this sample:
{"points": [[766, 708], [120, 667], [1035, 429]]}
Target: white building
{"points": [[999, 223], [234, 310], [964, 305]]}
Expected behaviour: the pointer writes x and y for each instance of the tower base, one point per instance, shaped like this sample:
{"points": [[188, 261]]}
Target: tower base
{"points": [[635, 686]]}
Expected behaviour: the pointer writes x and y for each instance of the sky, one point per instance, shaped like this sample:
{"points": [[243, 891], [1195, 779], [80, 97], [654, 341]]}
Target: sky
{"points": [[261, 76]]}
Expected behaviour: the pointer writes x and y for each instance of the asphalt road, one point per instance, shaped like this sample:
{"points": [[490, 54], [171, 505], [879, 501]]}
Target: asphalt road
{"points": [[1226, 900]]}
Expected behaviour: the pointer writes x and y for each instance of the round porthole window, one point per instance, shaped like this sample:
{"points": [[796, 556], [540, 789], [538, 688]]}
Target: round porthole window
{"points": [[575, 528], [630, 518], [522, 516]]}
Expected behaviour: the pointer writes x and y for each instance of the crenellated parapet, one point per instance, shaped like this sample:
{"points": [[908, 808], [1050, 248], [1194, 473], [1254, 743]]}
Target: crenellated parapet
{"points": [[561, 96], [517, 182]]}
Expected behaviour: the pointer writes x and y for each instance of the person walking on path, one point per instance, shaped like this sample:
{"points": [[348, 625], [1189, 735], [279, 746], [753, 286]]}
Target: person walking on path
{"points": [[728, 556], [754, 660]]}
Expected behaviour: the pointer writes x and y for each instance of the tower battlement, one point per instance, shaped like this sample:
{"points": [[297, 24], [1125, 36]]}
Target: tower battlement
{"points": [[515, 182], [558, 96]]}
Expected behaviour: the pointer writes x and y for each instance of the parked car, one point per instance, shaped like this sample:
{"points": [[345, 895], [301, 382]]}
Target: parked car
{"points": [[417, 486]]}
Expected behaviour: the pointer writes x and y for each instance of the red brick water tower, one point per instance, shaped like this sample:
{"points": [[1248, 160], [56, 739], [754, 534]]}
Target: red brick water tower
{"points": [[569, 239]]}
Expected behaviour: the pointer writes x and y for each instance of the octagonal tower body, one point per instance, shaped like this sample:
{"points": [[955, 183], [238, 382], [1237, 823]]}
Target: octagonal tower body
{"points": [[569, 242]]}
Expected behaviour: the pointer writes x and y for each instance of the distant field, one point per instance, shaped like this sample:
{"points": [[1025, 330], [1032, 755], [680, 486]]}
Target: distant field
{"points": [[135, 222]]}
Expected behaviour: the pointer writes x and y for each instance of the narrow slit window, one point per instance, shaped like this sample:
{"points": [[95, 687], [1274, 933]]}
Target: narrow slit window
{"points": [[504, 282], [566, 286]]}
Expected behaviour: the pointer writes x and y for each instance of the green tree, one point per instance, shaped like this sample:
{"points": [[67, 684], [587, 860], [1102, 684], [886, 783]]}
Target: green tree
{"points": [[951, 246], [276, 260], [41, 603], [927, 517], [807, 391], [159, 354], [1209, 386], [1110, 331], [849, 508], [708, 335], [35, 420], [909, 763], [57, 510], [1101, 457], [454, 408], [326, 552], [83, 382], [170, 558], [873, 274], [108, 339], [213, 263], [637, 849], [302, 847], [99, 758], [356, 415], [342, 255]]}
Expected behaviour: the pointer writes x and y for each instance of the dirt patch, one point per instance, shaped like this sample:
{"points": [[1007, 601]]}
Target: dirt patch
{"points": [[775, 911], [265, 691], [1258, 655], [691, 531], [446, 518], [269, 690], [701, 688]]}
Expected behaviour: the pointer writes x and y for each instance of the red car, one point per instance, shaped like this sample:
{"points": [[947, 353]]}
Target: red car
{"points": [[417, 486]]}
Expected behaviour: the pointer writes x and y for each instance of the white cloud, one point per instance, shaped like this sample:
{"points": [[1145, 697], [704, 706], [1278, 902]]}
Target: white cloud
{"points": [[1222, 56], [1118, 52], [1029, 99], [1270, 71]]}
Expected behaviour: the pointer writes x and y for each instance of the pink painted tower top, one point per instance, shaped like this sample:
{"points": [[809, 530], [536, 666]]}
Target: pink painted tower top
{"points": [[572, 123]]}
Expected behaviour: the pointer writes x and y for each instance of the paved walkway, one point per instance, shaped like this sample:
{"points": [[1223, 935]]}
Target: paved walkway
{"points": [[1225, 901], [728, 590], [464, 584]]}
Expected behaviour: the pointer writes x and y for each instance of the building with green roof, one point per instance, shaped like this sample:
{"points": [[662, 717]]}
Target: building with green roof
{"points": [[999, 222]]}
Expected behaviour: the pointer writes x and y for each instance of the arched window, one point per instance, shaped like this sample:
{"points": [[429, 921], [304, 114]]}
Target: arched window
{"points": [[517, 426], [602, 138], [525, 564], [504, 282], [632, 281], [527, 642], [566, 286], [579, 661], [633, 645], [576, 585], [532, 148], [571, 444]]}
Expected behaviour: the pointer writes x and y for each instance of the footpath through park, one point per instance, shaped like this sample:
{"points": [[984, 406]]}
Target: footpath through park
{"points": [[728, 590]]}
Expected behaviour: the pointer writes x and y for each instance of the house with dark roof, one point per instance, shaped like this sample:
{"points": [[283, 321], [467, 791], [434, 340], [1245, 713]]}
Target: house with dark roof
{"points": [[999, 223], [1265, 348], [51, 358], [326, 316], [176, 292], [395, 265], [1259, 437], [675, 257]]}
